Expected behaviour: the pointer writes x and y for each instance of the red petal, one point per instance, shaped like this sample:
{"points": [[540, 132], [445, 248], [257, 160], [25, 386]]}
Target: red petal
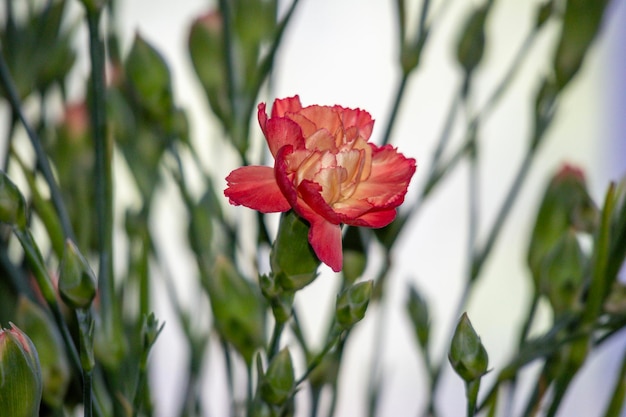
{"points": [[262, 116], [325, 239], [283, 180], [286, 105], [374, 219], [389, 178], [311, 193], [359, 119], [281, 131], [255, 187]]}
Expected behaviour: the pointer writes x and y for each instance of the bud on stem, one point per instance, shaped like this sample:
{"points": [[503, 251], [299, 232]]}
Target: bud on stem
{"points": [[20, 375]]}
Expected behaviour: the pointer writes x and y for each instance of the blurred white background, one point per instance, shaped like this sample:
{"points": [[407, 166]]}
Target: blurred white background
{"points": [[344, 52]]}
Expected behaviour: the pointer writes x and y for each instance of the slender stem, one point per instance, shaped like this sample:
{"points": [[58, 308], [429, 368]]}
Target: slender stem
{"points": [[229, 58], [471, 391], [267, 63], [616, 404], [228, 363], [503, 213], [275, 341], [8, 140], [400, 89], [379, 333], [87, 393], [334, 391], [42, 159], [318, 358], [103, 175]]}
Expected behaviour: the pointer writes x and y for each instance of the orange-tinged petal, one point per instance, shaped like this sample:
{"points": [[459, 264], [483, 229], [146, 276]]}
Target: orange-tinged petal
{"points": [[286, 105], [325, 239], [255, 187], [358, 118], [375, 218], [323, 117], [388, 180], [282, 131]]}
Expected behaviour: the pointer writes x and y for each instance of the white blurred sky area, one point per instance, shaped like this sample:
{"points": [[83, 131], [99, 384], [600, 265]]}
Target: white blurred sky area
{"points": [[344, 52]]}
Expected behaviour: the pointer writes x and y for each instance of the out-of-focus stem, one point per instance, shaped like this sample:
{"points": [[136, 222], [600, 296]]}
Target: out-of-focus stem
{"points": [[400, 89], [42, 159], [103, 175], [616, 404]]}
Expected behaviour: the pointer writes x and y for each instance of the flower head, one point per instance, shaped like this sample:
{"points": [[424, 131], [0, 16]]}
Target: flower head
{"points": [[326, 171]]}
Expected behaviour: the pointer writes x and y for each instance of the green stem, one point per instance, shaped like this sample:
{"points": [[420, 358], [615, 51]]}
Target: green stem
{"points": [[503, 213], [318, 358], [471, 392], [229, 58], [275, 341], [7, 141], [103, 175], [85, 336], [616, 404], [42, 159], [87, 393], [267, 63], [379, 334], [400, 89]]}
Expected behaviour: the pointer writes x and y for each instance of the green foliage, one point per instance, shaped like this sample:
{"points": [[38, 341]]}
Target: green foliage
{"points": [[248, 280]]}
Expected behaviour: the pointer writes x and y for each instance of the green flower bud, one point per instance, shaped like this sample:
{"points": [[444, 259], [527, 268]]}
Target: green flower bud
{"points": [[77, 282], [12, 203], [206, 48], [150, 330], [581, 23], [149, 79], [566, 205], [467, 354], [471, 44], [418, 313], [563, 273], [238, 311], [352, 304], [278, 382], [293, 261], [20, 374], [55, 368]]}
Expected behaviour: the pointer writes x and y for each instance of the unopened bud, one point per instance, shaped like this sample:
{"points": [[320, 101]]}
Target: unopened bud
{"points": [[277, 383], [55, 368], [352, 304], [294, 264], [12, 203], [418, 313], [471, 44], [77, 282], [467, 354], [563, 273], [20, 374], [237, 308]]}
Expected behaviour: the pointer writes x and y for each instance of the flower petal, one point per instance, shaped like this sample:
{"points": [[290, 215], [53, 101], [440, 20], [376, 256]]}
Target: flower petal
{"points": [[281, 131], [359, 119], [325, 239], [375, 219], [388, 180], [255, 187], [286, 105]]}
